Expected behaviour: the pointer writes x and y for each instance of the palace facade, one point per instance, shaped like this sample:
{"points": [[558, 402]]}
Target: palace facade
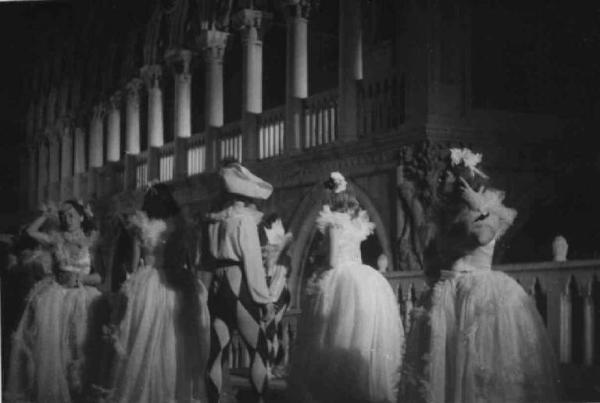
{"points": [[125, 93]]}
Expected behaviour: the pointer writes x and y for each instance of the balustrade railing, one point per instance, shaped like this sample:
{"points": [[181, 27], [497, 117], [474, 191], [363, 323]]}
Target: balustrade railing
{"points": [[141, 170], [381, 104], [320, 119], [566, 294], [230, 141], [166, 160], [271, 132], [196, 154]]}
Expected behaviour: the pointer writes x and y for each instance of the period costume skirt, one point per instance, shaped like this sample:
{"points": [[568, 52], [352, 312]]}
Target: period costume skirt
{"points": [[478, 337], [162, 341], [350, 338], [50, 346]]}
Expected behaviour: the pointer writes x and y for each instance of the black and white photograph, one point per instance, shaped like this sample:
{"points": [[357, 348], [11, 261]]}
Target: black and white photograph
{"points": [[299, 201]]}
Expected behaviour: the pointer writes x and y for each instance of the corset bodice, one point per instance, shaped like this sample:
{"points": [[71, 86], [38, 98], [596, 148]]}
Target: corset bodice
{"points": [[346, 233]]}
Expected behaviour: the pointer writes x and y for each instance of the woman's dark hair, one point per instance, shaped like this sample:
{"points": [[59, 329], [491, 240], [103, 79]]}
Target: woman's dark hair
{"points": [[344, 201], [159, 202], [87, 225]]}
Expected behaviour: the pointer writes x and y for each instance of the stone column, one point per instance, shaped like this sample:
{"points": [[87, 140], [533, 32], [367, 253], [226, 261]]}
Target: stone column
{"points": [[113, 143], [66, 148], [152, 76], [42, 171], [350, 67], [132, 120], [251, 23], [213, 43], [53, 158], [32, 176], [180, 61], [96, 143], [296, 70], [79, 138]]}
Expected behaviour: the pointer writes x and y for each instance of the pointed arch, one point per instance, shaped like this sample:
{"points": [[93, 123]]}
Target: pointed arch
{"points": [[304, 230]]}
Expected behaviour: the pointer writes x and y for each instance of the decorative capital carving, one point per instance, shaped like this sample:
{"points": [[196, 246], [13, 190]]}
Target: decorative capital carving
{"points": [[133, 87], [180, 60], [297, 8], [212, 42], [98, 111], [151, 75], [114, 102], [246, 19]]}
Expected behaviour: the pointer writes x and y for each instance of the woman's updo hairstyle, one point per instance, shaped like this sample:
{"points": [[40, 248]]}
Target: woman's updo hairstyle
{"points": [[339, 197], [159, 202], [87, 224]]}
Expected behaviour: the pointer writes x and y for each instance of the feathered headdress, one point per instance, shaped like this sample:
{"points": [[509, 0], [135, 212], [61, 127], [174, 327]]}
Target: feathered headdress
{"points": [[468, 159]]}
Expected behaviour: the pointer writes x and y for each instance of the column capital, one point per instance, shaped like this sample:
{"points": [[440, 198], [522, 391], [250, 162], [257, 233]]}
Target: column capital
{"points": [[151, 74], [114, 102], [212, 42], [98, 111], [179, 60], [297, 8], [134, 86], [250, 18]]}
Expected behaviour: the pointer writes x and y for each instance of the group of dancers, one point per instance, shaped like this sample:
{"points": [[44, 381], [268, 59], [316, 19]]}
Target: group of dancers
{"points": [[475, 336]]}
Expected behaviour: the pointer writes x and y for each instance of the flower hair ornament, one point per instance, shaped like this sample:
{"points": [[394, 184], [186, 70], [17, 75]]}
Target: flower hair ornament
{"points": [[467, 158], [336, 182]]}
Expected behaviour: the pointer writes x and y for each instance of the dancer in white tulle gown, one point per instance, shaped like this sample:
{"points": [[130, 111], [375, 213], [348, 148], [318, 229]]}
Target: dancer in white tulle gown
{"points": [[350, 340], [51, 344], [162, 340], [477, 336]]}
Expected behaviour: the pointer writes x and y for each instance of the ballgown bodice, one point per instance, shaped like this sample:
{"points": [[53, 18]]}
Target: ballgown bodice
{"points": [[479, 259], [72, 255], [346, 234]]}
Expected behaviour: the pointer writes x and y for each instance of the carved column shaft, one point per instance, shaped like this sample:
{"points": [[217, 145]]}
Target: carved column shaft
{"points": [[251, 23], [213, 43], [54, 158], [296, 70], [66, 148], [42, 170], [180, 61], [350, 66], [79, 150], [113, 143], [96, 143], [152, 76], [132, 119]]}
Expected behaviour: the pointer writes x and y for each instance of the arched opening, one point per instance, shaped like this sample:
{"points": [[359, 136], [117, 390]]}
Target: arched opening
{"points": [[309, 250]]}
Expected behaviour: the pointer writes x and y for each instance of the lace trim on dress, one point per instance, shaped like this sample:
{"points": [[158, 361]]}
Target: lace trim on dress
{"points": [[360, 225], [149, 230]]}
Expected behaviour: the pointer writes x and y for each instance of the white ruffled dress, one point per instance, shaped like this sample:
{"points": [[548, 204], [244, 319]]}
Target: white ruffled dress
{"points": [[351, 339], [52, 342], [163, 337], [478, 337]]}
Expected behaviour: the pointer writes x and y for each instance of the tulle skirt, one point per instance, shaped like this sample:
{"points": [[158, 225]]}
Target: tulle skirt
{"points": [[478, 337], [162, 340], [51, 344], [350, 339]]}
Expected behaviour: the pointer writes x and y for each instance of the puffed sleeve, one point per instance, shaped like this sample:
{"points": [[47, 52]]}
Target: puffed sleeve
{"points": [[325, 219], [364, 225], [252, 261]]}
